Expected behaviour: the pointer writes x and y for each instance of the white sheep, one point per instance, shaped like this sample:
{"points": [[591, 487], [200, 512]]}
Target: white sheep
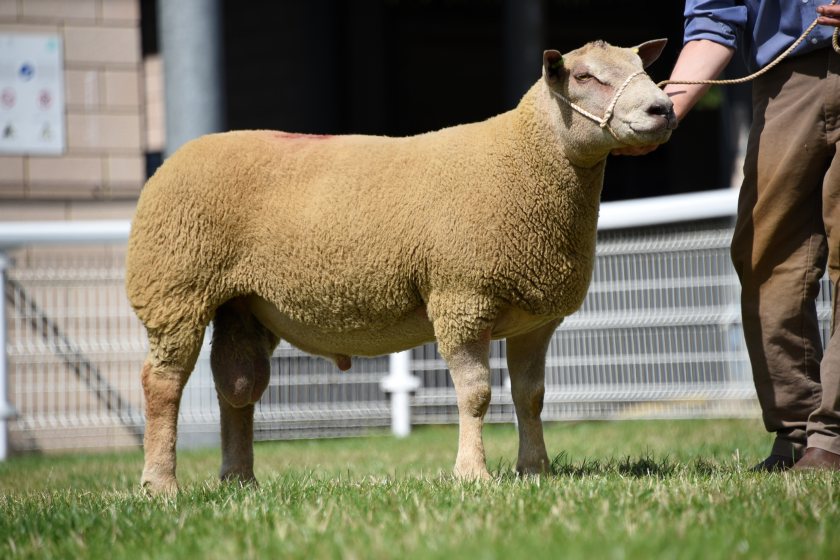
{"points": [[365, 245]]}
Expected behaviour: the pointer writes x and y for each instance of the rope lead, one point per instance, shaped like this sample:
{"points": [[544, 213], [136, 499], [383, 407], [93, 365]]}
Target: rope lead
{"points": [[777, 60]]}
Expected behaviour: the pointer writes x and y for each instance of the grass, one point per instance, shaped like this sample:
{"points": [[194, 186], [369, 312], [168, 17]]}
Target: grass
{"points": [[634, 489]]}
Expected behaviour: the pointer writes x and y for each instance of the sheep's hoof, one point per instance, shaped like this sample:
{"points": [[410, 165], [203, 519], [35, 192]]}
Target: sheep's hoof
{"points": [[159, 486], [533, 467], [242, 478], [468, 474]]}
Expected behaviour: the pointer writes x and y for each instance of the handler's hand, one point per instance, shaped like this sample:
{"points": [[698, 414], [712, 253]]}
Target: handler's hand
{"points": [[634, 150], [829, 15]]}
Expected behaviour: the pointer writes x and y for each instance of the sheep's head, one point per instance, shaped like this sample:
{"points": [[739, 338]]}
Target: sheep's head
{"points": [[610, 84]]}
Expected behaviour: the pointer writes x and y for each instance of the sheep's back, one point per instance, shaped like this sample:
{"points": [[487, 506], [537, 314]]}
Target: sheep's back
{"points": [[332, 230]]}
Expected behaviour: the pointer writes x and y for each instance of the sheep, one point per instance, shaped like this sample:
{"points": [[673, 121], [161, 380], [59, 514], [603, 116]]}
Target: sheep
{"points": [[356, 245]]}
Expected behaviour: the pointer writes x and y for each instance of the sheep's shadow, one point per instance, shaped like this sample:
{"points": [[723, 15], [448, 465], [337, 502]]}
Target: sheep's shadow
{"points": [[563, 466]]}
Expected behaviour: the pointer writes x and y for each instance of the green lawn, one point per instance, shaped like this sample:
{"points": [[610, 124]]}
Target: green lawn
{"points": [[633, 489]]}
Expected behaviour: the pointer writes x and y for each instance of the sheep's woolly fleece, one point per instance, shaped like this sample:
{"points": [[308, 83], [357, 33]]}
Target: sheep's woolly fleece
{"points": [[351, 236]]}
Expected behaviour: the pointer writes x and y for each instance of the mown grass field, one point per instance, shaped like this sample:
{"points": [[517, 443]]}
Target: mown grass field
{"points": [[633, 489]]}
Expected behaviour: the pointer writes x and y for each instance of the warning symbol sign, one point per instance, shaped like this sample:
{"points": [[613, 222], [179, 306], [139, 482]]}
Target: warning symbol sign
{"points": [[31, 94]]}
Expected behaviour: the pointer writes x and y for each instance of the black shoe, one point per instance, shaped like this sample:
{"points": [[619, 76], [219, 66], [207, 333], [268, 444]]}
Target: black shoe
{"points": [[774, 463]]}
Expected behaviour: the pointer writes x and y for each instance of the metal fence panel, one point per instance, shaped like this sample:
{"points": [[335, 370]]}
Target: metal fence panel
{"points": [[658, 335], [75, 352]]}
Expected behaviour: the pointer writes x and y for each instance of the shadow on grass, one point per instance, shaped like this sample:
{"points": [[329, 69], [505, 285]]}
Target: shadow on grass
{"points": [[636, 467]]}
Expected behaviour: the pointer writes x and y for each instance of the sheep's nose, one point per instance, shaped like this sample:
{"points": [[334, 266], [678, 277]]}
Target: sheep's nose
{"points": [[660, 108], [665, 110]]}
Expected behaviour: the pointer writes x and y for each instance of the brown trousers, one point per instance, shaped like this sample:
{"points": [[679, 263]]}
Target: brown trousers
{"points": [[787, 232]]}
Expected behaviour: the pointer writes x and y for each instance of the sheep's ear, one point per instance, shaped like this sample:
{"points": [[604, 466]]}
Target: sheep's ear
{"points": [[552, 65], [649, 51]]}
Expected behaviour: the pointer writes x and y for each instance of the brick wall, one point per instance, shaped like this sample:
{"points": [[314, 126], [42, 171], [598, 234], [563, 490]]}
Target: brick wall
{"points": [[103, 167]]}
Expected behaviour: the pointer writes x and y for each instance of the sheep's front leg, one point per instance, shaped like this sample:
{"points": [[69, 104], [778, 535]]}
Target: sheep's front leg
{"points": [[526, 365], [468, 365]]}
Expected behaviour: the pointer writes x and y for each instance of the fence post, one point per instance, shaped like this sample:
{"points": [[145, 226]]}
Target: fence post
{"points": [[400, 383], [6, 410]]}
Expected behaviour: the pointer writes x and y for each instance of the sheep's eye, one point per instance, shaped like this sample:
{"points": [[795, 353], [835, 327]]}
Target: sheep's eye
{"points": [[583, 77]]}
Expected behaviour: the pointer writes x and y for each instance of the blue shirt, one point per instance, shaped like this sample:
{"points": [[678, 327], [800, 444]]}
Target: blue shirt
{"points": [[760, 29]]}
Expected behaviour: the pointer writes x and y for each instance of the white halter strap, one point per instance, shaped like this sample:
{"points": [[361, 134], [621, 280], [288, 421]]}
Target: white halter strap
{"points": [[604, 121]]}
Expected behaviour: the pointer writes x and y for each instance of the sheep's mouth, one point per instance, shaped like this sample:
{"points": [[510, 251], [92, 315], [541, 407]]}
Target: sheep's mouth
{"points": [[644, 134], [657, 119], [653, 126]]}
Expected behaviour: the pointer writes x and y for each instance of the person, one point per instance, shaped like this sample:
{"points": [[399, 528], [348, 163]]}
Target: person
{"points": [[787, 227]]}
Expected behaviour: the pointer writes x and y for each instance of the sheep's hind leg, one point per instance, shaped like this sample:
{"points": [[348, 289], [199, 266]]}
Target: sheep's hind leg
{"points": [[526, 364], [165, 372], [239, 358], [469, 367]]}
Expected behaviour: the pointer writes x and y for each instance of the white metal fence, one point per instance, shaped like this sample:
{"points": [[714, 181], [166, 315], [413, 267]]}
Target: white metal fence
{"points": [[659, 335]]}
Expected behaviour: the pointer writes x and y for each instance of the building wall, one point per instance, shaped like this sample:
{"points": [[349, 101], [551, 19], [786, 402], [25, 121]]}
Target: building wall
{"points": [[103, 168]]}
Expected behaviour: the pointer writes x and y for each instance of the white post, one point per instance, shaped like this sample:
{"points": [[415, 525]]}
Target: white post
{"points": [[509, 390], [400, 383], [6, 410]]}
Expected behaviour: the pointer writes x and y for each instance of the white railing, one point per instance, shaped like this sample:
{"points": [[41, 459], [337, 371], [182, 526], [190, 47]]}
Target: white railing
{"points": [[659, 335], [677, 208]]}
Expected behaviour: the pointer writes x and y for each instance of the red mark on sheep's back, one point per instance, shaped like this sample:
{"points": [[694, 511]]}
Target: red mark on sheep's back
{"points": [[300, 136]]}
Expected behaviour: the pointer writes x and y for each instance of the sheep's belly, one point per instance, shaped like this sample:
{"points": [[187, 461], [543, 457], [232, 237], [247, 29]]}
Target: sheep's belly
{"points": [[514, 321], [407, 332]]}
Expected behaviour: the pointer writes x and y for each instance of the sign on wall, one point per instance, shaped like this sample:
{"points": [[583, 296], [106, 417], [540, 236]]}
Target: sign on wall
{"points": [[31, 94]]}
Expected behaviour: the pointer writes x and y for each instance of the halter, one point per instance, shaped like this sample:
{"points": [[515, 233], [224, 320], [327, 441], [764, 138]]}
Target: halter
{"points": [[604, 121]]}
